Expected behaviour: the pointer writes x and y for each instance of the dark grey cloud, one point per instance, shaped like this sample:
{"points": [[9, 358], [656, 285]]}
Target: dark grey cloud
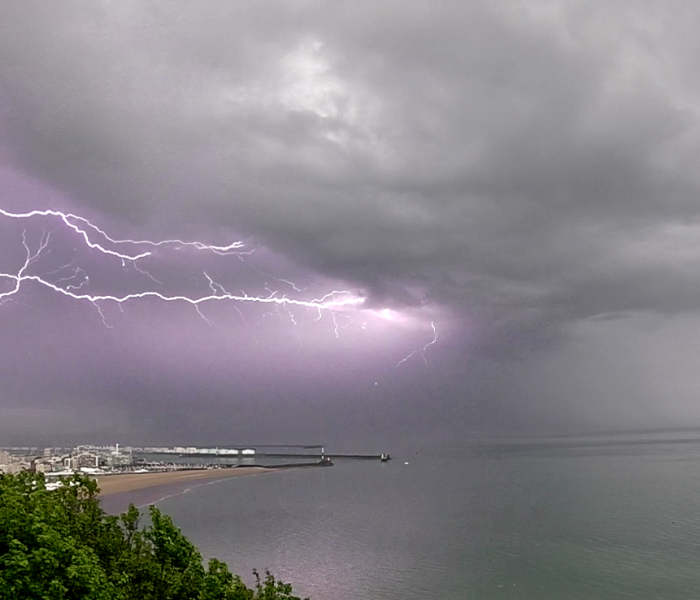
{"points": [[529, 166]]}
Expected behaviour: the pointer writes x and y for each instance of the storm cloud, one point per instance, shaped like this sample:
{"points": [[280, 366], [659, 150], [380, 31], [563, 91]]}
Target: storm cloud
{"points": [[526, 170]]}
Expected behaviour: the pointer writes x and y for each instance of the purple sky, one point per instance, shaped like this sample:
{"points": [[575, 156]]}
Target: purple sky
{"points": [[521, 175]]}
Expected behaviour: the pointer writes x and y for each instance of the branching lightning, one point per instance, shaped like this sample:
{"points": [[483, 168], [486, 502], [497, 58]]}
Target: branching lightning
{"points": [[70, 220], [344, 308], [422, 350], [70, 280]]}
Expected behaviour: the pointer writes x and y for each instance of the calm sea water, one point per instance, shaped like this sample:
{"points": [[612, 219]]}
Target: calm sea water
{"points": [[560, 519]]}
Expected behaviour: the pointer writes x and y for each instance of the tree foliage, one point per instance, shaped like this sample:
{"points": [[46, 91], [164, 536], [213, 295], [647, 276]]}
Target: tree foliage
{"points": [[61, 545]]}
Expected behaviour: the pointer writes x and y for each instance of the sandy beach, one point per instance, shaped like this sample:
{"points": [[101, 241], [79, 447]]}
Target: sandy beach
{"points": [[116, 484]]}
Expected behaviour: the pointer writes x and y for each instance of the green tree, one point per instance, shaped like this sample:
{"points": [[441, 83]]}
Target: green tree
{"points": [[61, 545]]}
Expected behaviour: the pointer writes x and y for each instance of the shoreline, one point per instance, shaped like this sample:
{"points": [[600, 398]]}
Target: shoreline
{"points": [[129, 482]]}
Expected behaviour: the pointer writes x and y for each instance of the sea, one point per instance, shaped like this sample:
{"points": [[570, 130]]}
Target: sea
{"points": [[613, 516]]}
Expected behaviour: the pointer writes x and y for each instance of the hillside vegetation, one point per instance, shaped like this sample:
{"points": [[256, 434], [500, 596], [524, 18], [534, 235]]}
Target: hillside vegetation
{"points": [[61, 545]]}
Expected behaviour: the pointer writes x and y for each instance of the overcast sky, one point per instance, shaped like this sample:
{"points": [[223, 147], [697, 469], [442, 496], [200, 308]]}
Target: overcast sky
{"points": [[523, 176]]}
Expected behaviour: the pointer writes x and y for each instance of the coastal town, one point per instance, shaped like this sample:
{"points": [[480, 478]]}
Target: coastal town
{"points": [[118, 468], [125, 468], [55, 460], [91, 459]]}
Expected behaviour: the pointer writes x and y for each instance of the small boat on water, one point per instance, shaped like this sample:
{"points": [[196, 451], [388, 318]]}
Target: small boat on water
{"points": [[385, 457]]}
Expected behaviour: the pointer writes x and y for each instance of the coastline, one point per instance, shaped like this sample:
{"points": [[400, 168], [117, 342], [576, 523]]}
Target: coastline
{"points": [[129, 482]]}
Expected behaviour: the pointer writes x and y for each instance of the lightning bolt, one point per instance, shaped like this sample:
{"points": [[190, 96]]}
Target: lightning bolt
{"points": [[422, 350], [74, 282], [69, 280], [70, 220]]}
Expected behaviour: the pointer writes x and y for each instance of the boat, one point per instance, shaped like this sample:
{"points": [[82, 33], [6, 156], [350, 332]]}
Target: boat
{"points": [[385, 457]]}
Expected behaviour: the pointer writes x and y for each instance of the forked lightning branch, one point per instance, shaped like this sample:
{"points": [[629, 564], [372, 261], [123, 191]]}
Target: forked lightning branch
{"points": [[73, 281]]}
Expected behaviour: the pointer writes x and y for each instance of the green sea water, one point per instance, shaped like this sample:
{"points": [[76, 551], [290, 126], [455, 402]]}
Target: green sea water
{"points": [[598, 517]]}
